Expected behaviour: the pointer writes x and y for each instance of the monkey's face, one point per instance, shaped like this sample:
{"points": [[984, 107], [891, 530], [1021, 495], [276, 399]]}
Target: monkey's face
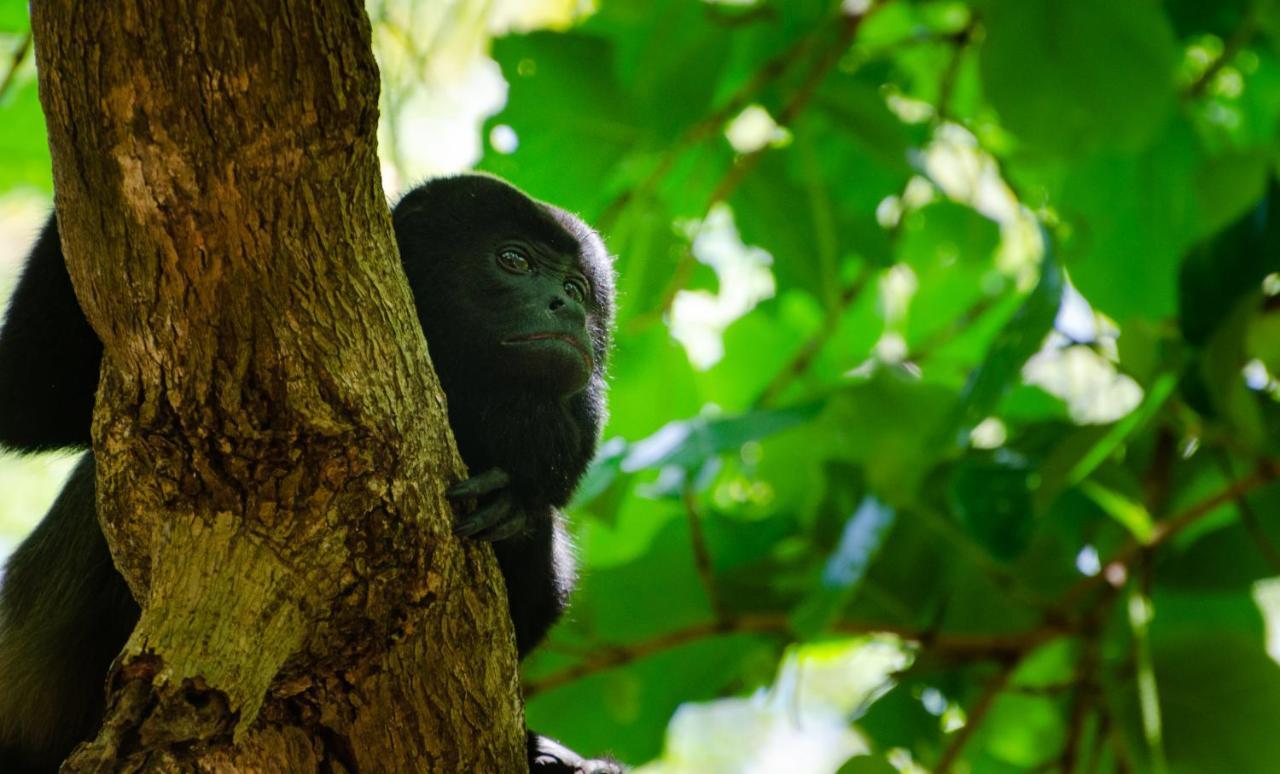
{"points": [[510, 292], [541, 302], [516, 311]]}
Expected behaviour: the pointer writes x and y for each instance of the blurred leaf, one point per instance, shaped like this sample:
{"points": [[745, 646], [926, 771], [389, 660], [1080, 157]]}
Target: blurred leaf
{"points": [[992, 499], [1128, 513], [888, 424], [644, 365], [1221, 361], [776, 213], [564, 96], [602, 472], [866, 764], [1123, 250], [648, 247], [1022, 730], [1116, 435], [1017, 341], [689, 442], [899, 719], [23, 145], [1072, 77], [948, 232], [863, 535], [14, 17], [1220, 702], [669, 58], [1230, 186], [1220, 271], [1262, 341]]}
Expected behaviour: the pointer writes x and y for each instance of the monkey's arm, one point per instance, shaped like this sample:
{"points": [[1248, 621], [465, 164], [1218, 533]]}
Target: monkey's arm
{"points": [[49, 356], [65, 613]]}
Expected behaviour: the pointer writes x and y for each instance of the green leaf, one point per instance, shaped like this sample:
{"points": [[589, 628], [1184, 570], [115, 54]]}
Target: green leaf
{"points": [[1116, 435], [1220, 703], [649, 248], [688, 443], [867, 764], [563, 95], [1021, 730], [1220, 271], [1018, 340], [864, 533], [23, 144], [1123, 250], [669, 59], [1127, 512], [888, 424], [946, 232], [14, 17], [1076, 76], [993, 501]]}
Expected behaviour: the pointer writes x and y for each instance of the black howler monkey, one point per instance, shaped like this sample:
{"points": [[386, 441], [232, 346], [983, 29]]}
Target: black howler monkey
{"points": [[516, 299]]}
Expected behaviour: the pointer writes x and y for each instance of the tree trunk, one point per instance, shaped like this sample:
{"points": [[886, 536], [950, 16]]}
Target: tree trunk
{"points": [[272, 443]]}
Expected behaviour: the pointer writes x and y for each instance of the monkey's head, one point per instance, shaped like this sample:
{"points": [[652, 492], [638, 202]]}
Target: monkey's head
{"points": [[509, 290]]}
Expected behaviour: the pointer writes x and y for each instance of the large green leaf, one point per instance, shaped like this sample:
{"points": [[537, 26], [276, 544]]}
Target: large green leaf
{"points": [[1132, 217], [23, 146], [1220, 271], [1073, 77], [564, 95]]}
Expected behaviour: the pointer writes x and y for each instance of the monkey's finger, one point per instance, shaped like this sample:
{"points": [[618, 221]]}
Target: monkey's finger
{"points": [[485, 518], [479, 485], [504, 530]]}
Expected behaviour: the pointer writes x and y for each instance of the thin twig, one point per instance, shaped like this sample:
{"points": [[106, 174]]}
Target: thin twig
{"points": [[804, 357], [1121, 561], [19, 54], [736, 173], [974, 718], [709, 125], [947, 85], [1240, 38], [1250, 520], [1083, 700], [1159, 476], [701, 556]]}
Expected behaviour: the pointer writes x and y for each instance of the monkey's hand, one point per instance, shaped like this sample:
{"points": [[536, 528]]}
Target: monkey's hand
{"points": [[498, 514], [547, 756]]}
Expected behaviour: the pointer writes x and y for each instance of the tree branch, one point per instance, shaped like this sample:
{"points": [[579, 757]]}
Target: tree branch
{"points": [[1251, 522], [957, 647], [1118, 565]]}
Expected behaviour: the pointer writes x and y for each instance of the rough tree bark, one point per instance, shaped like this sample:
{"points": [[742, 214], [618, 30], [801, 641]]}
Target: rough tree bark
{"points": [[272, 445]]}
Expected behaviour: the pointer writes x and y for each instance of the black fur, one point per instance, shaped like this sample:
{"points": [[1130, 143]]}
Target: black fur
{"points": [[48, 357], [64, 610]]}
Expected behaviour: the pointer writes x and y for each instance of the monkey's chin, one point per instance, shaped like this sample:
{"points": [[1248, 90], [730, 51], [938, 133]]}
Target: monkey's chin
{"points": [[554, 364]]}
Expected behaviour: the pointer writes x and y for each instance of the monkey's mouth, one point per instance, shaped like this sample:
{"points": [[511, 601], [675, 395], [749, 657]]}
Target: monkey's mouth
{"points": [[572, 341]]}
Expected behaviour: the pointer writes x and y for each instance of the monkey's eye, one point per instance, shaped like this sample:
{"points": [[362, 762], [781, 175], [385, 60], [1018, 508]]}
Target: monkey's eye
{"points": [[514, 261], [576, 289]]}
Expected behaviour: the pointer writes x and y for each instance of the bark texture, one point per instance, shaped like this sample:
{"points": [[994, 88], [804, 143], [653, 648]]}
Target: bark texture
{"points": [[272, 447]]}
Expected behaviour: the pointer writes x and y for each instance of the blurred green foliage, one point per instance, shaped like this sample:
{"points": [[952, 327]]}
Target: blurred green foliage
{"points": [[872, 450], [1005, 389]]}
